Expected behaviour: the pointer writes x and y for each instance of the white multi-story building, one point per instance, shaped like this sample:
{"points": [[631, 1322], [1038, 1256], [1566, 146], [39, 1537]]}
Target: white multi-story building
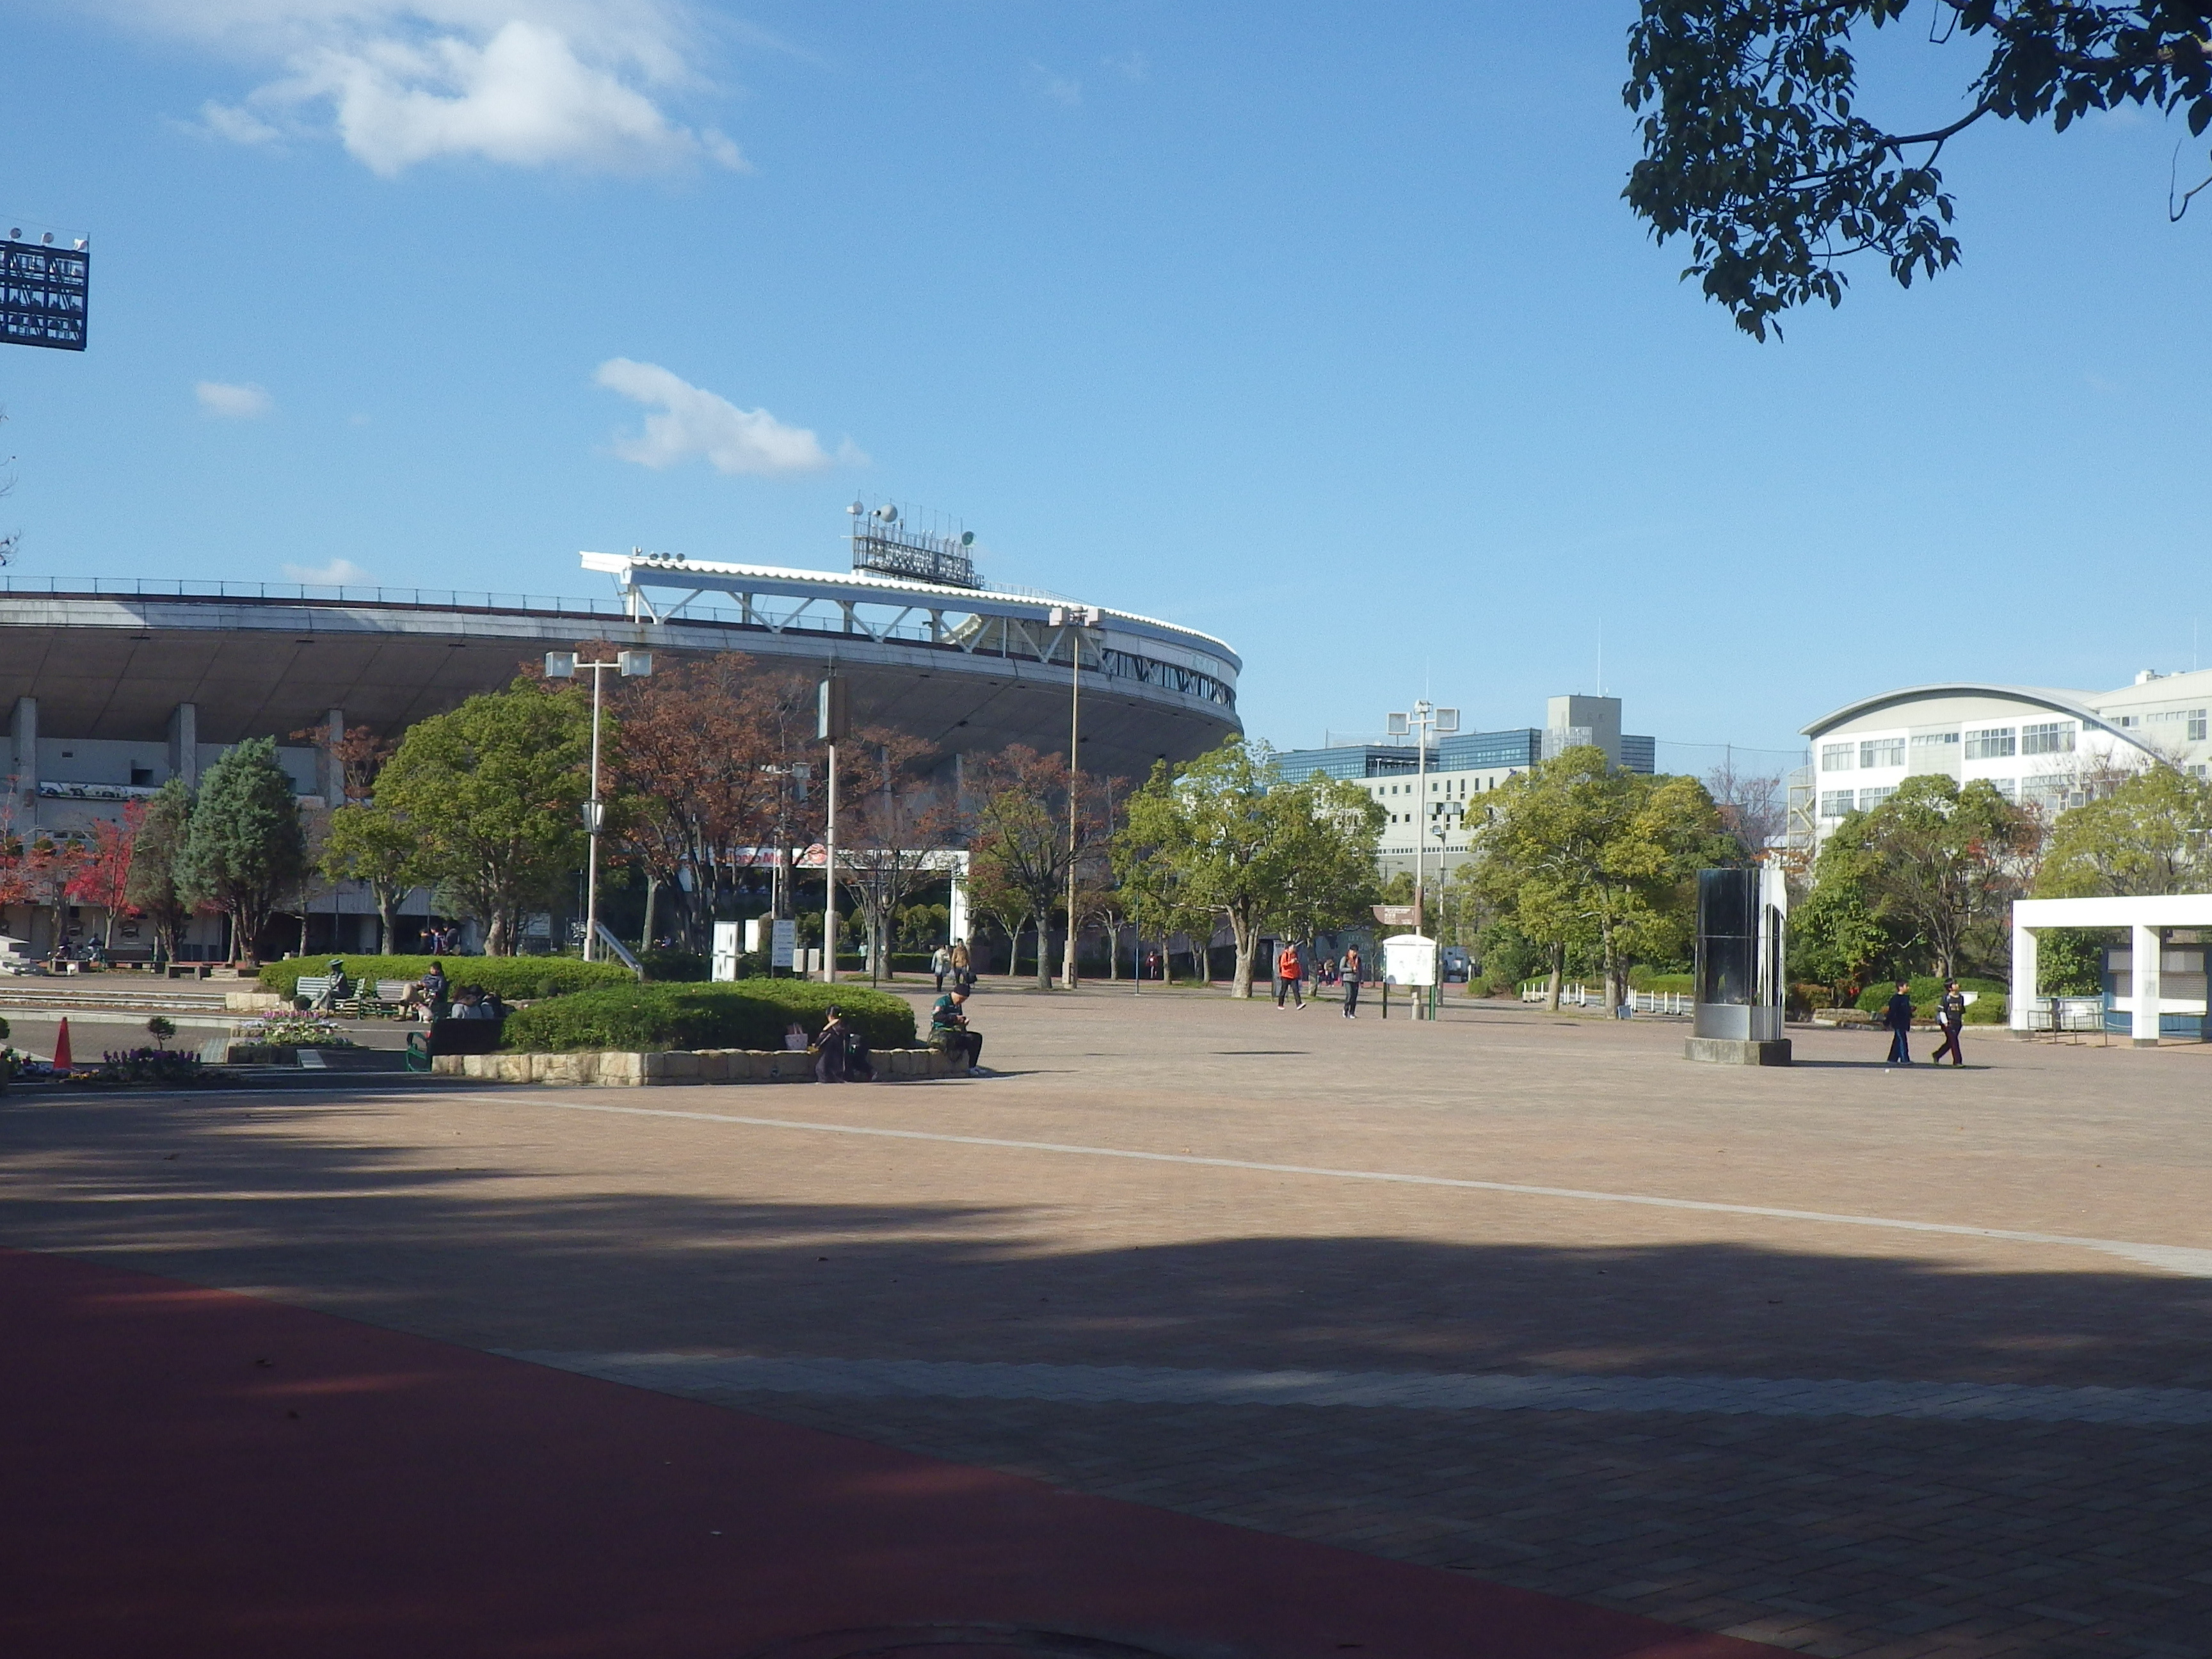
{"points": [[2046, 749]]}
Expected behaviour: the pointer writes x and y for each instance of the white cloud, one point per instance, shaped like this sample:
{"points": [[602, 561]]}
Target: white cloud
{"points": [[233, 402], [338, 572], [1059, 88], [574, 83], [695, 422]]}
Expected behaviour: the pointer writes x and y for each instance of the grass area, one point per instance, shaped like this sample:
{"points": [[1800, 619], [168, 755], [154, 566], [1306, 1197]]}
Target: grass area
{"points": [[748, 1013]]}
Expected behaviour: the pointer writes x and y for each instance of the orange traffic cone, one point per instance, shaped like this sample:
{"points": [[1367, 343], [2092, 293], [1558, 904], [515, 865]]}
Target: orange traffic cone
{"points": [[63, 1061]]}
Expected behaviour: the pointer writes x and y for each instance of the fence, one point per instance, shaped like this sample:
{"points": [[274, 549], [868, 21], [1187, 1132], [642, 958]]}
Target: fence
{"points": [[1578, 995]]}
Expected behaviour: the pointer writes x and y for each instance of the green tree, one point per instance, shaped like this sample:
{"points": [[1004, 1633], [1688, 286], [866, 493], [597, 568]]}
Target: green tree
{"points": [[1755, 149], [1837, 935], [1254, 850], [1944, 862], [2152, 835], [152, 889], [494, 792], [371, 843], [1577, 852], [246, 850]]}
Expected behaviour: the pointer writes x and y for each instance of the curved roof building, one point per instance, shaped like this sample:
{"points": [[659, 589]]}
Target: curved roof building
{"points": [[119, 684], [2042, 747]]}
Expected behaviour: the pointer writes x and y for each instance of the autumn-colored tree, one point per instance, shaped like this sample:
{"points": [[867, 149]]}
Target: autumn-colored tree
{"points": [[49, 864], [104, 879], [712, 756], [1019, 843], [893, 820]]}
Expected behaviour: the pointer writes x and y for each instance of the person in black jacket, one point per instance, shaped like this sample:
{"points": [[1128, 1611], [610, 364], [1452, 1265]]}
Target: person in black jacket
{"points": [[1900, 1021], [1951, 1020]]}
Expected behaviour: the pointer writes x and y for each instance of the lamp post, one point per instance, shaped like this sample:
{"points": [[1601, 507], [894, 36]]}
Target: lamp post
{"points": [[565, 666], [832, 720], [1425, 721], [1076, 620]]}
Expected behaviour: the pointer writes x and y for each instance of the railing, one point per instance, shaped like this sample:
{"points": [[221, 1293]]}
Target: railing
{"points": [[728, 610], [1576, 994], [428, 598]]}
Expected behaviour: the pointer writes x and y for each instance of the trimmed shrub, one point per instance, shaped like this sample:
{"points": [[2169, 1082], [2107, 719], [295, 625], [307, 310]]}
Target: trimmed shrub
{"points": [[515, 978], [750, 1013], [1643, 979], [675, 967], [1926, 988]]}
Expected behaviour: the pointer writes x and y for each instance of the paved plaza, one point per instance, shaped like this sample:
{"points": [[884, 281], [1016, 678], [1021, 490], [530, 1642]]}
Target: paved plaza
{"points": [[1839, 1358]]}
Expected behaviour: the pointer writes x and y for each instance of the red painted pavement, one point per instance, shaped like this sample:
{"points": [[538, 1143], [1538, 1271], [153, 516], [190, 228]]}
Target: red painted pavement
{"points": [[187, 1472]]}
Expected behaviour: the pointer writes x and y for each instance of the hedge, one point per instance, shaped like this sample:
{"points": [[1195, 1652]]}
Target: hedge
{"points": [[749, 1013], [516, 978], [1988, 1007]]}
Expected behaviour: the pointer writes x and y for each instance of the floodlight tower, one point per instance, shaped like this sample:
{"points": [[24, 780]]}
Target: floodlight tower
{"points": [[1425, 720], [563, 665]]}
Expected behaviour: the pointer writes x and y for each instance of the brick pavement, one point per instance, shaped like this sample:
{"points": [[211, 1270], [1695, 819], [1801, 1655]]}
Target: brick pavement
{"points": [[497, 1221]]}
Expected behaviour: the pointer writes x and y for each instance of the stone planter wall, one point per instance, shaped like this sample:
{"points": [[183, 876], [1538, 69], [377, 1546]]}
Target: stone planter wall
{"points": [[677, 1067]]}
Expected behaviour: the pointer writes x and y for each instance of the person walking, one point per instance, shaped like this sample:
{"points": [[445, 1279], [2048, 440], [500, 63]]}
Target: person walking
{"points": [[1899, 1019], [1951, 1021], [830, 1049], [1289, 974], [1352, 982], [940, 963]]}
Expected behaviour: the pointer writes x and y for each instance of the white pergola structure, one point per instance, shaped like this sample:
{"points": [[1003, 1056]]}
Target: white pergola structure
{"points": [[2148, 920]]}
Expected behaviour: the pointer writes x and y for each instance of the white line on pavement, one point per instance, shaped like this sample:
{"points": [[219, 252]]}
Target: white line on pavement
{"points": [[712, 1375], [2170, 1258]]}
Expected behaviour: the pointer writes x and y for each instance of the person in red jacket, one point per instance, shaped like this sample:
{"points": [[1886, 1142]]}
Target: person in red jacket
{"points": [[1288, 973]]}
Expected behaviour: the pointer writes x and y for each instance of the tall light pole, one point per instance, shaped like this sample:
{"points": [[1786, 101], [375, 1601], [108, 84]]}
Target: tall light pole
{"points": [[1425, 721], [1076, 619], [832, 720], [564, 665]]}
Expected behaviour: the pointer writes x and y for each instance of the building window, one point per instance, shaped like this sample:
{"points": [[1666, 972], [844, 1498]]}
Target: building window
{"points": [[2196, 726], [2051, 737], [1870, 798], [1922, 738], [2008, 787], [1881, 751], [1992, 743], [1837, 756], [1835, 803]]}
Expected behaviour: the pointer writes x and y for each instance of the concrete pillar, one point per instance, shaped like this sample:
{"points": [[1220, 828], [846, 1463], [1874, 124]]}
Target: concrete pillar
{"points": [[184, 744], [333, 787], [2025, 973], [2144, 987], [23, 758]]}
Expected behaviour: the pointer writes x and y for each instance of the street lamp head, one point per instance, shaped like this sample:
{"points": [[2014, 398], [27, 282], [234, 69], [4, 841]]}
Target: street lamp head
{"points": [[560, 664], [1400, 725], [634, 664]]}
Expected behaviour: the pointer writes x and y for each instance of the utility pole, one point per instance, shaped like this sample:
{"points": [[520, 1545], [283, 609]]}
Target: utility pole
{"points": [[1076, 620], [564, 665]]}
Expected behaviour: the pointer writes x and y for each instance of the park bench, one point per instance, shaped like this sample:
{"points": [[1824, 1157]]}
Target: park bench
{"points": [[190, 969], [315, 986]]}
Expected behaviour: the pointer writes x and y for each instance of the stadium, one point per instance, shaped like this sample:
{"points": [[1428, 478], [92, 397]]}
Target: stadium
{"points": [[115, 686]]}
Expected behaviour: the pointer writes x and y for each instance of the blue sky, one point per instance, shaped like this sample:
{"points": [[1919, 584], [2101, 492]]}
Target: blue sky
{"points": [[1320, 328]]}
